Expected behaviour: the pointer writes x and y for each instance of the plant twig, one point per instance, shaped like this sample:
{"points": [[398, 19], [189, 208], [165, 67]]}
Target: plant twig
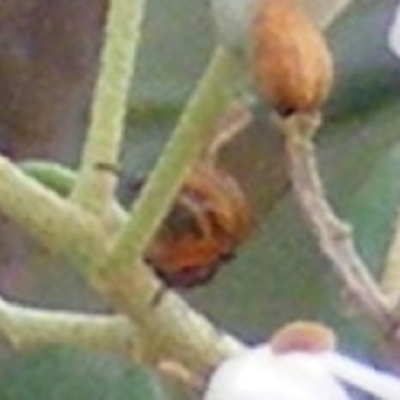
{"points": [[25, 327], [178, 333], [334, 236], [60, 226], [95, 187], [174, 316], [193, 133], [233, 122], [390, 279], [172, 330]]}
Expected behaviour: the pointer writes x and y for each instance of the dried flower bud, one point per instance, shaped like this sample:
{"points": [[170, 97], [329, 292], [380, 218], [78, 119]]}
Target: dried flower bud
{"points": [[304, 336], [292, 63]]}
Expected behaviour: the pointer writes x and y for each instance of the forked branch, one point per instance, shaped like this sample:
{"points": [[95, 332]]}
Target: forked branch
{"points": [[335, 236]]}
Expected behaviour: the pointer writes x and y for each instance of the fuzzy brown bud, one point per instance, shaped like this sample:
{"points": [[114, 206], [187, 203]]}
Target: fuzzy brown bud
{"points": [[305, 336], [292, 64]]}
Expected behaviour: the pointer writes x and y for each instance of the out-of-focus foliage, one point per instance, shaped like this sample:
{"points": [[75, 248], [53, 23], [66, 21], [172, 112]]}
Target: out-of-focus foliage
{"points": [[54, 374], [278, 274]]}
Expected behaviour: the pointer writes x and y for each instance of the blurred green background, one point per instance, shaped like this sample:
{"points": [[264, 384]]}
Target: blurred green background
{"points": [[278, 274]]}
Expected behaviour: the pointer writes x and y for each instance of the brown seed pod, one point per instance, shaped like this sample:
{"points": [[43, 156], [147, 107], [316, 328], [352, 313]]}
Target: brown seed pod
{"points": [[291, 61]]}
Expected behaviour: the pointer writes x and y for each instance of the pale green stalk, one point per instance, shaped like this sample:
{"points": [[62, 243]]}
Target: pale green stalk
{"points": [[95, 188], [27, 327], [194, 131], [171, 329]]}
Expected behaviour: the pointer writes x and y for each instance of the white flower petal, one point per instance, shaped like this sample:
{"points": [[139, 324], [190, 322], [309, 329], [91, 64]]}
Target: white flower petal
{"points": [[394, 33], [258, 375], [367, 379]]}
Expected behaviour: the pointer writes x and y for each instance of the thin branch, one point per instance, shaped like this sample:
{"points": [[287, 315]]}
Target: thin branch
{"points": [[177, 332], [186, 336], [232, 123], [61, 180], [95, 188], [171, 329], [190, 138], [334, 236], [25, 327], [174, 331], [390, 280], [61, 227]]}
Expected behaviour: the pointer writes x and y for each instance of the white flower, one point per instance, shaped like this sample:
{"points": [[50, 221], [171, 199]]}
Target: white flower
{"points": [[234, 17], [259, 374], [394, 33]]}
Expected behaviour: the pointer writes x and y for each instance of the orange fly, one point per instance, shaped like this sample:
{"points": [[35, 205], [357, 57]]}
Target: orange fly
{"points": [[209, 219]]}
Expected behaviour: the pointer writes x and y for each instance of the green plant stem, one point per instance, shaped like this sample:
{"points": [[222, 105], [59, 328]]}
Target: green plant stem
{"points": [[194, 131], [95, 187], [171, 322], [27, 327], [59, 225], [172, 329], [52, 175], [61, 180]]}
